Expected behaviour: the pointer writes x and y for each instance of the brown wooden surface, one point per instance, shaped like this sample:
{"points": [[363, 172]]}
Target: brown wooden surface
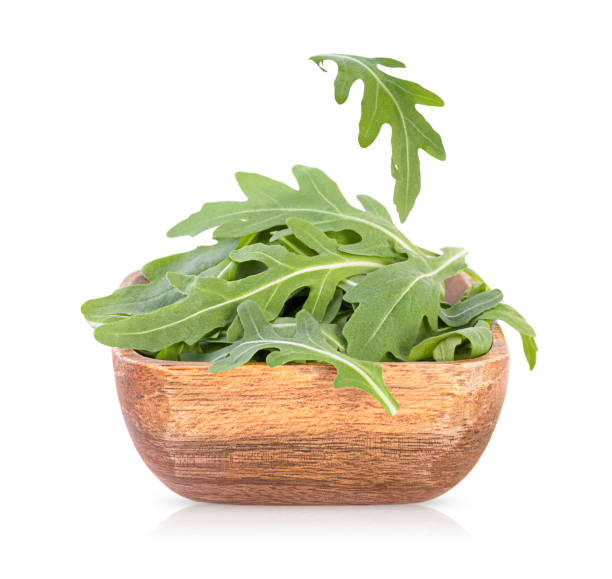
{"points": [[260, 435]]}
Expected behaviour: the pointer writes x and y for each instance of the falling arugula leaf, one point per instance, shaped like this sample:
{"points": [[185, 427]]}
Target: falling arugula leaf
{"points": [[306, 343], [390, 100], [270, 203], [395, 301]]}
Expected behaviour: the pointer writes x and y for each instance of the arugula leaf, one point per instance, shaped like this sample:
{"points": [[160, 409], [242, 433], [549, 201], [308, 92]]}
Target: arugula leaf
{"points": [[508, 314], [211, 303], [443, 346], [138, 299], [332, 332], [391, 100], [283, 325], [446, 348], [178, 351], [505, 313], [306, 343], [334, 307], [530, 349], [477, 287], [395, 301], [270, 203], [465, 310]]}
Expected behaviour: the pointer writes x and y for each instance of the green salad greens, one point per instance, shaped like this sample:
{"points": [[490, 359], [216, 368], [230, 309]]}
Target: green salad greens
{"points": [[302, 275]]}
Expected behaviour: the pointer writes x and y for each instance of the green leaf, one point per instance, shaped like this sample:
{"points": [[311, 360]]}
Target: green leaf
{"points": [[505, 313], [177, 351], [286, 327], [508, 314], [211, 303], [394, 302], [334, 306], [465, 310], [138, 299], [306, 343], [442, 347], [445, 350], [332, 332], [530, 349], [391, 100], [270, 203], [478, 287]]}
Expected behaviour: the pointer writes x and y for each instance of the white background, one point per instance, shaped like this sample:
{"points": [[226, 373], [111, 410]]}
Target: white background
{"points": [[117, 119]]}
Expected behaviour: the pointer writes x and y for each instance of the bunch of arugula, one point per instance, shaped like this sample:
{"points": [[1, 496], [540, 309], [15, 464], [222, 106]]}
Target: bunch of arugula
{"points": [[306, 276]]}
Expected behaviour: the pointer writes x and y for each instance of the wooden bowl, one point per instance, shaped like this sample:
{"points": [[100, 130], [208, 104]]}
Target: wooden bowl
{"points": [[285, 436]]}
